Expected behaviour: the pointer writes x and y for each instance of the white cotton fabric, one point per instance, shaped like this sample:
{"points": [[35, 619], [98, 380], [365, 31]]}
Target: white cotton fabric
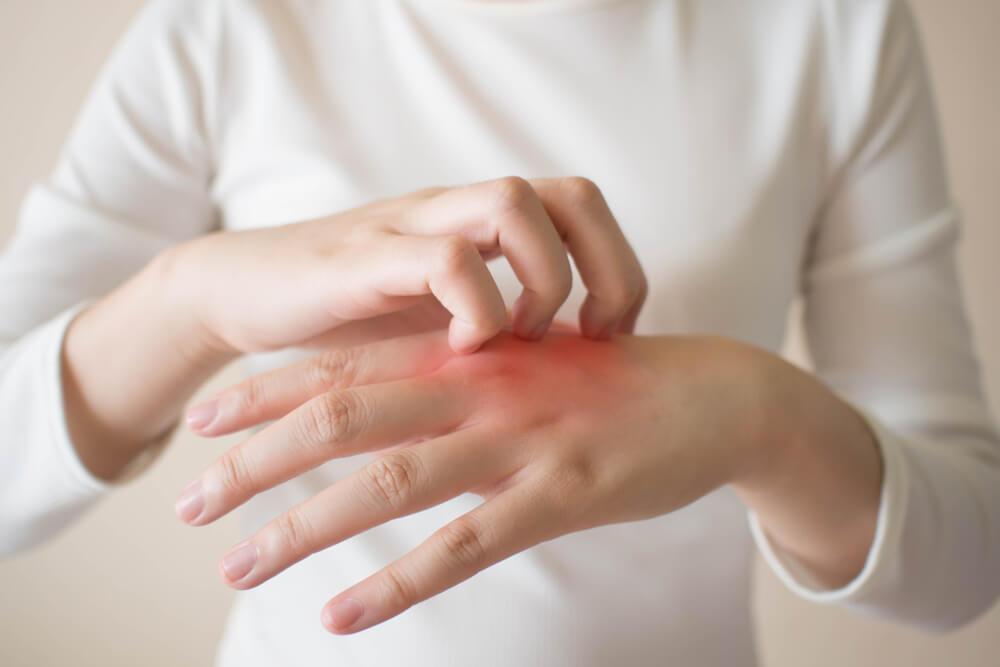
{"points": [[753, 152]]}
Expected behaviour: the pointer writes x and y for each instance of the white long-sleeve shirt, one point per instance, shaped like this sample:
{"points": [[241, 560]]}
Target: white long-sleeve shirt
{"points": [[753, 152]]}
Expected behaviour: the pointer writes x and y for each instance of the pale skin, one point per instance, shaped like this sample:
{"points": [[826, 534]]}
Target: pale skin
{"points": [[556, 433], [395, 266]]}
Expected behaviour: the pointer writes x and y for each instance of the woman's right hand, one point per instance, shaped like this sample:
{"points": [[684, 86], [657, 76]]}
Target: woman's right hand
{"points": [[412, 261], [132, 359]]}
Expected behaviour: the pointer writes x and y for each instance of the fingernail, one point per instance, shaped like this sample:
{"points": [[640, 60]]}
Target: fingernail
{"points": [[190, 503], [344, 614], [202, 415], [238, 562]]}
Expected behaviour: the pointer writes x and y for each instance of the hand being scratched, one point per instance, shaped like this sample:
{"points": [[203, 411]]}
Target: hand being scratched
{"points": [[556, 436]]}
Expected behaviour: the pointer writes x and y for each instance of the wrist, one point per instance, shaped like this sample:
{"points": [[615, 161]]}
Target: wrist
{"points": [[129, 362], [814, 474], [174, 279], [774, 435], [746, 383]]}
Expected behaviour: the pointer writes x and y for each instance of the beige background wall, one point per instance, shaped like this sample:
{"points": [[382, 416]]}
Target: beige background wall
{"points": [[153, 598]]}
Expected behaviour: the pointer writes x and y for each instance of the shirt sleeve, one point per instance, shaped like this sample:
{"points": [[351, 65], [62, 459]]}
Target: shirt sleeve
{"points": [[133, 178], [887, 330]]}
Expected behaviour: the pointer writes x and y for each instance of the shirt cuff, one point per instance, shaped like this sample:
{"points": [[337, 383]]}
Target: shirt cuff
{"points": [[881, 564], [65, 451]]}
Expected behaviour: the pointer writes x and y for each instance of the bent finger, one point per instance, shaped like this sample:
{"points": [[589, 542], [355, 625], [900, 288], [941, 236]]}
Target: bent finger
{"points": [[608, 266], [505, 215], [448, 267]]}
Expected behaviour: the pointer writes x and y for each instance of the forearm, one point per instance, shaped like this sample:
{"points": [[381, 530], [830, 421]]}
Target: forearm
{"points": [[130, 361], [816, 474]]}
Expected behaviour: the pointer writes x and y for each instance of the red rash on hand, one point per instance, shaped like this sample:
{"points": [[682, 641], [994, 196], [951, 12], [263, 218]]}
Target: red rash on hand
{"points": [[561, 371]]}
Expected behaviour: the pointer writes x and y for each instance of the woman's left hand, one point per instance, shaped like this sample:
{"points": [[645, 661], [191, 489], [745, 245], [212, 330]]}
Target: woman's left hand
{"points": [[556, 436]]}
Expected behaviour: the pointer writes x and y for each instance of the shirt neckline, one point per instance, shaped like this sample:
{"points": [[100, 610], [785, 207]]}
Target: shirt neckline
{"points": [[519, 7]]}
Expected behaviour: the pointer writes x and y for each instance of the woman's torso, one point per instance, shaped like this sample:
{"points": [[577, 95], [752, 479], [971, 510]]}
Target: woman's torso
{"points": [[703, 124]]}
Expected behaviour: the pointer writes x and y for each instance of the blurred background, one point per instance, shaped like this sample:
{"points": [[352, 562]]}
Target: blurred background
{"points": [[155, 598]]}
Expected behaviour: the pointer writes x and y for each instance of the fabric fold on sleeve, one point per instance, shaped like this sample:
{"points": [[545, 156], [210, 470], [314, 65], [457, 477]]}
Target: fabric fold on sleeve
{"points": [[886, 328], [44, 485], [133, 178]]}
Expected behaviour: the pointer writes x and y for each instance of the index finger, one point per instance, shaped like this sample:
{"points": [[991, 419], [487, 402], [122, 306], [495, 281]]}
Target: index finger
{"points": [[273, 394]]}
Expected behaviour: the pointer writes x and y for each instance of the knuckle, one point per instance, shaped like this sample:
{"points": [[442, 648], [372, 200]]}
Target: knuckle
{"points": [[336, 368], [511, 193], [555, 293], [562, 284], [463, 545], [455, 254], [580, 472], [391, 479], [330, 419], [624, 291], [397, 591], [635, 287], [569, 480], [642, 289], [250, 396], [580, 190], [294, 532], [235, 475]]}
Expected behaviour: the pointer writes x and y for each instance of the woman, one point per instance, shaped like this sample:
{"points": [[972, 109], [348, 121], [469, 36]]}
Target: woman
{"points": [[293, 177]]}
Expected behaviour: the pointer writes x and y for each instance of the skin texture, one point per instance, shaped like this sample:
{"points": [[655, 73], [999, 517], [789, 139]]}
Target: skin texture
{"points": [[393, 267], [684, 415], [555, 437]]}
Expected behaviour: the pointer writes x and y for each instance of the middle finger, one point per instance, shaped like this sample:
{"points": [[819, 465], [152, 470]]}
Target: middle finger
{"points": [[396, 484], [506, 215]]}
